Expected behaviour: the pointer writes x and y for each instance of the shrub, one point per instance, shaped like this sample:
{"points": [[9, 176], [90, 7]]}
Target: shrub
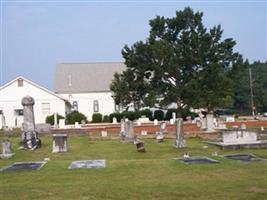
{"points": [[169, 114], [118, 116], [159, 115], [50, 119], [97, 118], [105, 118], [131, 115], [148, 113], [75, 116], [186, 112]]}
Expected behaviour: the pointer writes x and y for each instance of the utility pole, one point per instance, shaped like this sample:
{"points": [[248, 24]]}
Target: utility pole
{"points": [[251, 93]]}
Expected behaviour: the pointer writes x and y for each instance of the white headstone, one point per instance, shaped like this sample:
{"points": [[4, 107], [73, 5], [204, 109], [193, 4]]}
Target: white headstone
{"points": [[104, 133], [77, 125], [62, 123], [143, 132], [174, 116], [138, 123], [55, 120], [210, 123], [155, 122], [59, 143], [172, 121], [114, 120]]}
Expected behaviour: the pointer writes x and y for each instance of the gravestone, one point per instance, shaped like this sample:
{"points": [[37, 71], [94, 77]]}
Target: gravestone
{"points": [[88, 164], [210, 123], [60, 143], [240, 138], [179, 142], [243, 126], [17, 166], [198, 160], [243, 157], [114, 120], [6, 149], [62, 123], [122, 131], [143, 132], [129, 131], [104, 133], [55, 120], [29, 135], [160, 134], [140, 145], [155, 122]]}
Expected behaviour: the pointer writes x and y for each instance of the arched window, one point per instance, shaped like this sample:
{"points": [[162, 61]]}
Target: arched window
{"points": [[75, 105], [96, 106]]}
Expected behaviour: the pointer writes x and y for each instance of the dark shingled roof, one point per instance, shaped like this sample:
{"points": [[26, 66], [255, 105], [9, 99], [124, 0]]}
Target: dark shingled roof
{"points": [[85, 77]]}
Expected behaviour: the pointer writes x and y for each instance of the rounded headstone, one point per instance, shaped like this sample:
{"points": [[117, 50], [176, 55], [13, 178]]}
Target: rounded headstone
{"points": [[27, 101]]}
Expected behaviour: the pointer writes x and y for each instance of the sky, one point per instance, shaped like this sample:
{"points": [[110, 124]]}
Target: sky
{"points": [[37, 35]]}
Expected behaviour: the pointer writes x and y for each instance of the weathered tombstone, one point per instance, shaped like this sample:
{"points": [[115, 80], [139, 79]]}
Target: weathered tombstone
{"points": [[210, 123], [172, 121], [17, 166], [155, 122], [243, 126], [62, 123], [88, 164], [55, 120], [179, 142], [203, 122], [104, 133], [77, 125], [143, 132], [6, 149], [29, 134], [160, 134], [174, 116], [129, 131], [140, 145], [114, 120], [122, 131], [59, 143]]}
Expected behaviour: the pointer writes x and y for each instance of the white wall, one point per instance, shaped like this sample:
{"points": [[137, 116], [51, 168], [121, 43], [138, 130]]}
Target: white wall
{"points": [[10, 99], [85, 102]]}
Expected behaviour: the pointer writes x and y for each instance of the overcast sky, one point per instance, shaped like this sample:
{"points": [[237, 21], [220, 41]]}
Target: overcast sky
{"points": [[36, 35]]}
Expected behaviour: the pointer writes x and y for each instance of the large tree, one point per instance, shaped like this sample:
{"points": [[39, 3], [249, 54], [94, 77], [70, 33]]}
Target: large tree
{"points": [[181, 61]]}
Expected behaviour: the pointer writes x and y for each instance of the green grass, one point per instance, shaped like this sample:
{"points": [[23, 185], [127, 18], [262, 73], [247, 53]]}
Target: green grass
{"points": [[132, 175]]}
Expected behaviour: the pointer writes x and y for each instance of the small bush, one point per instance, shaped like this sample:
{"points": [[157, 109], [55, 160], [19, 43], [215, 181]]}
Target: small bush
{"points": [[159, 115], [118, 116], [105, 118], [50, 119], [75, 116], [169, 114], [97, 118], [148, 113], [131, 115]]}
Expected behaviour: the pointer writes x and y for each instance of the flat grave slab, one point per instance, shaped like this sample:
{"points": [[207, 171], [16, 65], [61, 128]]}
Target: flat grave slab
{"points": [[243, 157], [199, 160], [31, 165], [87, 164]]}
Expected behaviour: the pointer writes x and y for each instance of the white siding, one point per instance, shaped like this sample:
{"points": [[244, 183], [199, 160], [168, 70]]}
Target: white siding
{"points": [[10, 100], [85, 102]]}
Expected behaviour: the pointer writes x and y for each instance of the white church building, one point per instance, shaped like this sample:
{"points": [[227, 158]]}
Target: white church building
{"points": [[84, 87], [87, 86], [46, 102]]}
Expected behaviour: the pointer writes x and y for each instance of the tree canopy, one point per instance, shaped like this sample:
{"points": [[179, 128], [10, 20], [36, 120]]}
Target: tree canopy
{"points": [[181, 61]]}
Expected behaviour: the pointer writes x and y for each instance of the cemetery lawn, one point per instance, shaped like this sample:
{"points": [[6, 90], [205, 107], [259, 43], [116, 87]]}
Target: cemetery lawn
{"points": [[132, 175]]}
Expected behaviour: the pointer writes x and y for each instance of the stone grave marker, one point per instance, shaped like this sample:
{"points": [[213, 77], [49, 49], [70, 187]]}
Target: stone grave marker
{"points": [[6, 149], [129, 131], [198, 160], [31, 165], [179, 142], [140, 145], [243, 157], [88, 164], [60, 143], [29, 134], [62, 123], [160, 134], [104, 133]]}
